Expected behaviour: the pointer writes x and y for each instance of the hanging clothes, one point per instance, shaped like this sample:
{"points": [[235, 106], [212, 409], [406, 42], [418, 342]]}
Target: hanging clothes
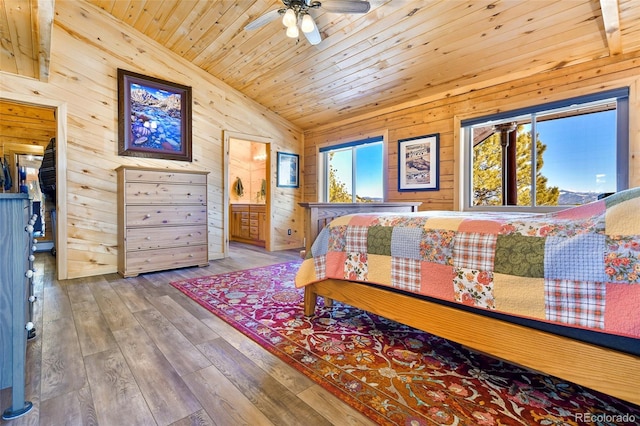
{"points": [[1, 174], [8, 182], [238, 188], [47, 172]]}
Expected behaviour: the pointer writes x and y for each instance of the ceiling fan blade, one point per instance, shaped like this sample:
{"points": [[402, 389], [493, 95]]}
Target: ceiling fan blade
{"points": [[313, 37], [346, 6], [263, 20]]}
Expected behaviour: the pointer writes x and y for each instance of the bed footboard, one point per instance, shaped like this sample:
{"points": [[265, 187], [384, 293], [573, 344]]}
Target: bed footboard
{"points": [[602, 369]]}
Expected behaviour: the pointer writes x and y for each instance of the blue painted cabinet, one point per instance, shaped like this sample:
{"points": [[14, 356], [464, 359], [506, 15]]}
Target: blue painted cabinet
{"points": [[15, 249]]}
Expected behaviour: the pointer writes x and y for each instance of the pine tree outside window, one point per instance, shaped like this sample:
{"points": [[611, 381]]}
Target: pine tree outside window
{"points": [[548, 157]]}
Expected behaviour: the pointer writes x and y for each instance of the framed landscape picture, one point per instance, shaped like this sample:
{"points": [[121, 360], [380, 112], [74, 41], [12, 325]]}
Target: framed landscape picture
{"points": [[418, 168], [288, 170], [154, 117]]}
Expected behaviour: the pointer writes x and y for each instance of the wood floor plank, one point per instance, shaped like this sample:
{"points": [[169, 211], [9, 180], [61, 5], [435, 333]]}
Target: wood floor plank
{"points": [[62, 364], [116, 395], [61, 410], [332, 408], [199, 418], [277, 402], [94, 333], [274, 366], [79, 291], [190, 326], [114, 310], [133, 297], [147, 283], [33, 374], [56, 303], [168, 397], [224, 403], [87, 407], [178, 350]]}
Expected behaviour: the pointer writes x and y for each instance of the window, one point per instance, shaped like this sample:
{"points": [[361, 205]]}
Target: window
{"points": [[579, 148], [353, 172]]}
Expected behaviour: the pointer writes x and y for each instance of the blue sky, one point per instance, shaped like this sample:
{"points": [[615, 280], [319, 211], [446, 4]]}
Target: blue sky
{"points": [[579, 157], [369, 178]]}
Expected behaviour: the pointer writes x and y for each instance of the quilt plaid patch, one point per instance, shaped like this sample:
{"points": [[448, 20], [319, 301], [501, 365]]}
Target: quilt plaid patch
{"points": [[579, 303], [356, 239], [405, 274], [474, 251]]}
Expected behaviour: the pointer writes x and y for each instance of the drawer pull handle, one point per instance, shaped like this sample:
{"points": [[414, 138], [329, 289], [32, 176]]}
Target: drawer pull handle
{"points": [[190, 235], [147, 193], [148, 238], [190, 255], [188, 214], [147, 216]]}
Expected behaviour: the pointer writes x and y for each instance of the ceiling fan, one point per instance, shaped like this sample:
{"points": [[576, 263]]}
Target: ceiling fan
{"points": [[296, 12]]}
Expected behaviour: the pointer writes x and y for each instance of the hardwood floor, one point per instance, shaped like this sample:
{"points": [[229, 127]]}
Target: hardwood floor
{"points": [[136, 351]]}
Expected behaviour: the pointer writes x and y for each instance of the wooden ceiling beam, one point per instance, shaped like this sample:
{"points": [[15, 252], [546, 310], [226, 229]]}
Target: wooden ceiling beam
{"points": [[611, 18], [43, 26]]}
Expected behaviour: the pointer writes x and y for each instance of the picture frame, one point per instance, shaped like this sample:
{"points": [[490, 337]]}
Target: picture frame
{"points": [[418, 163], [288, 170], [154, 117]]}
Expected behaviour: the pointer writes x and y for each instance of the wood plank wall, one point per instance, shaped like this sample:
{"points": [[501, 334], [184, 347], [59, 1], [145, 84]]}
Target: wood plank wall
{"points": [[442, 114], [87, 48]]}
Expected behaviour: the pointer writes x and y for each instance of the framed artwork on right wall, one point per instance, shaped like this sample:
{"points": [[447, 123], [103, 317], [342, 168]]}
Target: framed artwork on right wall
{"points": [[418, 167]]}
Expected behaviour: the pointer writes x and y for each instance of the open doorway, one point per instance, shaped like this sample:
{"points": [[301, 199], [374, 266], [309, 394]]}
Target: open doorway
{"points": [[34, 121], [247, 190], [23, 142]]}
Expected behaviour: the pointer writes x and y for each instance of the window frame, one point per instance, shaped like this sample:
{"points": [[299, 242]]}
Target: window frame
{"points": [[323, 165], [622, 144]]}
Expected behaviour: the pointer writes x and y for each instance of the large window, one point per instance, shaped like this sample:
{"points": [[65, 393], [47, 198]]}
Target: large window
{"points": [[551, 156], [353, 172]]}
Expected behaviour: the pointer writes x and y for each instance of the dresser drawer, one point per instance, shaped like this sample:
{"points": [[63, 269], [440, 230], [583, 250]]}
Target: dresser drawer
{"points": [[138, 262], [166, 215], [168, 236], [164, 193], [160, 176]]}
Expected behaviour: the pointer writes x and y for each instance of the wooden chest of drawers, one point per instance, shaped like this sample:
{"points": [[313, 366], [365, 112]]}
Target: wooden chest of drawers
{"points": [[162, 219]]}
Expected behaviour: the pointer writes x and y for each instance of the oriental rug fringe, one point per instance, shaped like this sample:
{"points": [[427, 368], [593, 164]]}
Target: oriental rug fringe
{"points": [[392, 373]]}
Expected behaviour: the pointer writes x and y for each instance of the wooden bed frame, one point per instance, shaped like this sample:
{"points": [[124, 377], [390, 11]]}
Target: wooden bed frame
{"points": [[602, 369], [606, 370]]}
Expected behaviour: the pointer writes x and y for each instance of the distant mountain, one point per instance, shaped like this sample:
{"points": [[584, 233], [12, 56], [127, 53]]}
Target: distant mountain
{"points": [[171, 102], [570, 198], [143, 97], [366, 199]]}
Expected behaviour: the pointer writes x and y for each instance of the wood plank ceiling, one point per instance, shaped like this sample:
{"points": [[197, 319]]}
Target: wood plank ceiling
{"points": [[399, 52]]}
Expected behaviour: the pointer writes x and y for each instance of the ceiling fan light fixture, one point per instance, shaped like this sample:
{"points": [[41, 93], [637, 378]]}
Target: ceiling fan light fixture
{"points": [[307, 24], [292, 31], [289, 19]]}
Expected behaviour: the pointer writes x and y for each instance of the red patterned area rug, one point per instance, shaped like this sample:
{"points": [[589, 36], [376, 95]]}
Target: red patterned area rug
{"points": [[392, 373]]}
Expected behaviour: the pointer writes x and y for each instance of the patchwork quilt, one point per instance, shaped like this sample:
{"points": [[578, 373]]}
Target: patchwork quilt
{"points": [[579, 267]]}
